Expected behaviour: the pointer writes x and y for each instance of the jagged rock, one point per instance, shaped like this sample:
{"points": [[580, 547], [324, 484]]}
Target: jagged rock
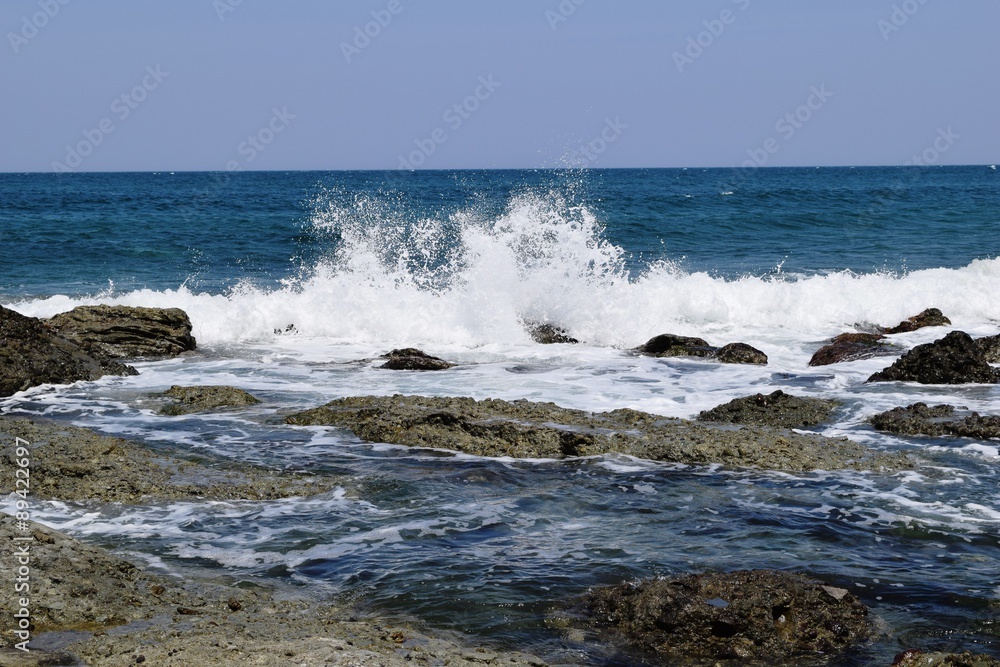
{"points": [[670, 345], [31, 354], [778, 410], [761, 615], [117, 332], [852, 347], [412, 359], [200, 399], [543, 430], [741, 353], [954, 359], [932, 317], [921, 419], [990, 348], [548, 334], [932, 659]]}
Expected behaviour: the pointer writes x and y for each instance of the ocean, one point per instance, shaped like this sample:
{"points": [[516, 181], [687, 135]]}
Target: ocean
{"points": [[456, 263]]}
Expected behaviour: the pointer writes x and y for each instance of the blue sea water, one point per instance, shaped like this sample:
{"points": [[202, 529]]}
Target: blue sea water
{"points": [[456, 263]]}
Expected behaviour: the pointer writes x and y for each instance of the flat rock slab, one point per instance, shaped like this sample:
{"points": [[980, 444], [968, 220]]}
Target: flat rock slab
{"points": [[524, 429], [187, 400], [117, 332], [761, 615], [76, 464], [777, 410]]}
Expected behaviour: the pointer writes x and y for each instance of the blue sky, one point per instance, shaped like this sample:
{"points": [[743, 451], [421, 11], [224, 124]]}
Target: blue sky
{"points": [[106, 85]]}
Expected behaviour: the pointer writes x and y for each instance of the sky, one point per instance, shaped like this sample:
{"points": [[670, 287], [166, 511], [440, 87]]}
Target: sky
{"points": [[156, 85]]}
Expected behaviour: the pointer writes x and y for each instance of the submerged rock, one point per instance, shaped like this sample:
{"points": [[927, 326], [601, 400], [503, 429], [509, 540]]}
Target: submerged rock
{"points": [[760, 615], [921, 419], [116, 332], [31, 354], [200, 399], [954, 359], [671, 345], [777, 409], [932, 317], [852, 347], [933, 659], [412, 359], [549, 334], [526, 429]]}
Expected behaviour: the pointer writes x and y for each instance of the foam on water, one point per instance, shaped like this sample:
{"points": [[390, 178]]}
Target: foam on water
{"points": [[471, 279]]}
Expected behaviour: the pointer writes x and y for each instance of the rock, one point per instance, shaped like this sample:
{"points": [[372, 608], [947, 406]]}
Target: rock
{"points": [[670, 345], [412, 359], [525, 429], [920, 419], [741, 353], [117, 332], [549, 334], [954, 359], [200, 399], [759, 615], [852, 347], [778, 410], [932, 317], [931, 659], [31, 354], [990, 348]]}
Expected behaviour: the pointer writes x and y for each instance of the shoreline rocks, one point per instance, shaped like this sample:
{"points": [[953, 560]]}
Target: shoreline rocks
{"points": [[777, 410], [671, 345], [188, 400], [123, 332], [31, 355], [932, 317], [853, 347], [954, 359], [549, 334], [524, 429], [761, 615], [412, 359], [921, 419]]}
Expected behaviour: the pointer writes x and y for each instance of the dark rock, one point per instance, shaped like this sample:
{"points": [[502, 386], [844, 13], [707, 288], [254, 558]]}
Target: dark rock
{"points": [[200, 399], [526, 429], [990, 348], [851, 347], [920, 419], [412, 359], [31, 354], [741, 353], [954, 359], [931, 659], [932, 317], [778, 410], [760, 615], [117, 332], [669, 345], [548, 334], [289, 330]]}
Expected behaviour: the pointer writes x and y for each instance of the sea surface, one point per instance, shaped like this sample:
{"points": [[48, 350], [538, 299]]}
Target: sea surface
{"points": [[455, 263]]}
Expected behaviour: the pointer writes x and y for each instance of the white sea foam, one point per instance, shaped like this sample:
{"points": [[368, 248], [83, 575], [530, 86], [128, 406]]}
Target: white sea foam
{"points": [[470, 281]]}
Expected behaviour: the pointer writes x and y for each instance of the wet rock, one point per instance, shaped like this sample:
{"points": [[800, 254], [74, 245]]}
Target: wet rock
{"points": [[990, 348], [741, 353], [526, 429], [954, 359], [932, 317], [549, 334], [412, 359], [75, 464], [760, 615], [931, 659], [201, 399], [777, 409], [117, 332], [852, 347], [921, 419], [31, 354], [670, 345]]}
